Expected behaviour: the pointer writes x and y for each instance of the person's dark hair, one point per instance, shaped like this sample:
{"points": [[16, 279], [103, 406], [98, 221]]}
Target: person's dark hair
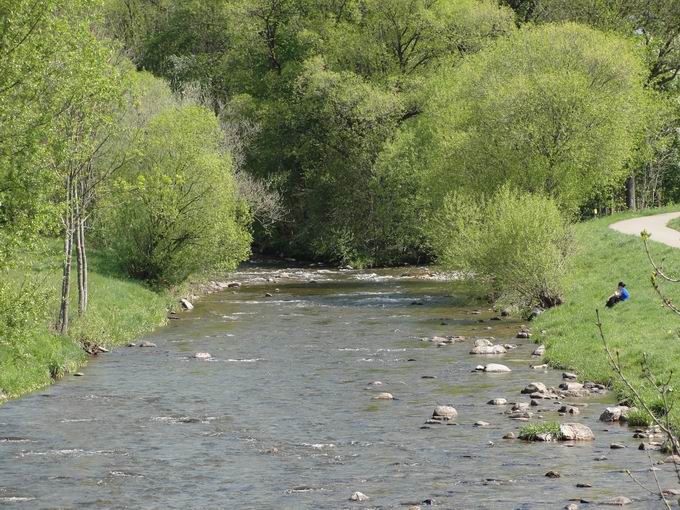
{"points": [[621, 284]]}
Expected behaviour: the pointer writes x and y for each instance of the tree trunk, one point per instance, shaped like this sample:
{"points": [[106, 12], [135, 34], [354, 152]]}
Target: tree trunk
{"points": [[630, 192], [80, 252], [68, 251], [79, 206]]}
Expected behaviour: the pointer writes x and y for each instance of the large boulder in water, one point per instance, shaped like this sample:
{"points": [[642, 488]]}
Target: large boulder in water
{"points": [[444, 413], [576, 432], [488, 349], [615, 413], [496, 368]]}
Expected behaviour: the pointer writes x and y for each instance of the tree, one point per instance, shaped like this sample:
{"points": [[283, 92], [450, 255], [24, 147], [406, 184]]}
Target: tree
{"points": [[556, 110], [174, 210]]}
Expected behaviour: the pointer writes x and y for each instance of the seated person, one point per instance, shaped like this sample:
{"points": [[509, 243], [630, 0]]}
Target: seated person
{"points": [[621, 294]]}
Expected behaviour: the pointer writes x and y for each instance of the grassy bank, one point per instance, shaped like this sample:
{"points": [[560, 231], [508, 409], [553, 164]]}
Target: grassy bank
{"points": [[641, 325], [119, 310]]}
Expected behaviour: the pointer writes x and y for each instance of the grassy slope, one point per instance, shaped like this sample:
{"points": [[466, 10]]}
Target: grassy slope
{"points": [[120, 310], [640, 325]]}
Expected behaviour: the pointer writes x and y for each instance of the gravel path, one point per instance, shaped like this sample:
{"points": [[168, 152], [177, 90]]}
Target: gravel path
{"points": [[655, 225]]}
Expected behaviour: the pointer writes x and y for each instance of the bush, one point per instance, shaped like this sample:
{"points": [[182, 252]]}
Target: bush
{"points": [[518, 242], [175, 210], [638, 418]]}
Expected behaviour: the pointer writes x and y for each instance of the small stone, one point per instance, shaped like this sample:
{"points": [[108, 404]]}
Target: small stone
{"points": [[617, 501], [186, 304], [533, 403], [359, 496], [483, 342], [571, 386], [672, 459], [671, 492], [496, 368], [539, 367], [569, 410], [539, 351], [600, 458], [569, 376], [146, 343], [482, 423], [78, 374], [509, 435], [553, 474], [535, 387], [571, 506], [617, 446], [132, 344], [233, 285], [583, 485], [384, 396], [267, 294], [428, 376], [202, 355], [497, 402]]}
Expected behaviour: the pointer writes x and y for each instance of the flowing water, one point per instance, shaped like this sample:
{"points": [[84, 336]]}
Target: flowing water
{"points": [[283, 417]]}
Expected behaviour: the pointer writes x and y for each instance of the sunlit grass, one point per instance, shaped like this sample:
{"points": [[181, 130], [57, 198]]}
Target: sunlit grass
{"points": [[640, 325]]}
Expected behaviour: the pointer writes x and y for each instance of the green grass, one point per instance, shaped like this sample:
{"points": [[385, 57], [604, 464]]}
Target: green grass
{"points": [[674, 224], [531, 432], [119, 310], [640, 325], [638, 418]]}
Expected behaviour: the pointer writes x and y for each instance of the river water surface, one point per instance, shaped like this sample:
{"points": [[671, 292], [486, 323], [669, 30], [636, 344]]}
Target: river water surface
{"points": [[282, 417]]}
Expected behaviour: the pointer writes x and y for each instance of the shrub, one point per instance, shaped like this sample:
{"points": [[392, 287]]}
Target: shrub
{"points": [[638, 418], [518, 242], [531, 432]]}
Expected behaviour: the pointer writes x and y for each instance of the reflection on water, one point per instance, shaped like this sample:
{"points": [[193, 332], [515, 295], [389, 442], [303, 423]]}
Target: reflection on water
{"points": [[281, 416]]}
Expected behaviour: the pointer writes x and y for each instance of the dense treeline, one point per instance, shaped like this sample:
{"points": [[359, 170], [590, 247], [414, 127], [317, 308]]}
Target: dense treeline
{"points": [[170, 135]]}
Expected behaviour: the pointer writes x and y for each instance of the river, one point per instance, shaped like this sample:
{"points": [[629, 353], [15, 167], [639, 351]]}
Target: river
{"points": [[283, 417]]}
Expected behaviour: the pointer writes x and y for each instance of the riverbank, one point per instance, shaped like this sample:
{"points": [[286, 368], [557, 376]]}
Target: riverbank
{"points": [[120, 310], [641, 325]]}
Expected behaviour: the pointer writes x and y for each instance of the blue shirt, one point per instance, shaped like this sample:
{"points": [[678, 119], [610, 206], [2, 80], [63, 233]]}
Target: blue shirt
{"points": [[624, 294]]}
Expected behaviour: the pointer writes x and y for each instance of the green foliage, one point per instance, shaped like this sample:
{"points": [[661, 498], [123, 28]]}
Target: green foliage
{"points": [[174, 211], [517, 241], [531, 432], [47, 55], [555, 109]]}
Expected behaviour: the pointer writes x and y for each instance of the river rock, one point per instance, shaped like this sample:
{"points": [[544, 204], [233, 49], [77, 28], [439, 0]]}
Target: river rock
{"points": [[359, 496], [497, 402], [510, 435], [617, 446], [576, 432], [234, 285], [384, 396], [496, 368], [488, 349], [672, 459], [535, 387], [616, 413], [617, 501], [553, 474], [202, 355], [569, 376], [569, 410], [186, 304], [510, 347], [524, 332], [571, 386], [481, 423], [444, 413], [571, 506], [483, 342], [146, 343], [539, 351]]}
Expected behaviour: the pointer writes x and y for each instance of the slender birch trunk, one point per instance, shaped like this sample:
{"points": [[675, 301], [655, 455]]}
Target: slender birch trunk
{"points": [[68, 251]]}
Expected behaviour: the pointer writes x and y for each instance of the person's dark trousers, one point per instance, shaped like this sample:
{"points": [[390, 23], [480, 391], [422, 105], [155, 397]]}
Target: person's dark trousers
{"points": [[612, 301]]}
